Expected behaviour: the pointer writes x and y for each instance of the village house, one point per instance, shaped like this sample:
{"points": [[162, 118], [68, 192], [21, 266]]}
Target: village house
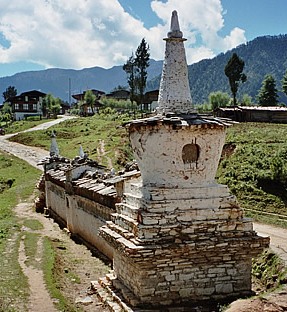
{"points": [[27, 104], [85, 109], [119, 95]]}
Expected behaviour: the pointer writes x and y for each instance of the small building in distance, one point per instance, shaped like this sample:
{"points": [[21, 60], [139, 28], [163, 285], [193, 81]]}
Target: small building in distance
{"points": [[120, 94], [85, 109], [26, 104], [276, 114]]}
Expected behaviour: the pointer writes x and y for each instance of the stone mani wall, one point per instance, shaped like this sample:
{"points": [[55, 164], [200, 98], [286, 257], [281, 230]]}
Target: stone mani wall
{"points": [[81, 215]]}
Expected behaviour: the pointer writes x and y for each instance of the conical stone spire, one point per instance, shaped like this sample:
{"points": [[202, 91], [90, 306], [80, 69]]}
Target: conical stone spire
{"points": [[174, 92]]}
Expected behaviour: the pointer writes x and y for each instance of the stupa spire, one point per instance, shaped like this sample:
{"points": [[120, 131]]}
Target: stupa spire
{"points": [[174, 93]]}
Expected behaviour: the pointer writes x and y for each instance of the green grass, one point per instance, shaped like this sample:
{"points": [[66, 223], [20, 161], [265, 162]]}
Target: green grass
{"points": [[33, 224], [22, 125], [255, 168], [87, 132]]}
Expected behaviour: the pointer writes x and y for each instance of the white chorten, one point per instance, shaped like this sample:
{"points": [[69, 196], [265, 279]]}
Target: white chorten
{"points": [[174, 92]]}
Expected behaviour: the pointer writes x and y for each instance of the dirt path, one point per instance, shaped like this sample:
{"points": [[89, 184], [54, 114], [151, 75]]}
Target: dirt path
{"points": [[75, 260], [30, 154]]}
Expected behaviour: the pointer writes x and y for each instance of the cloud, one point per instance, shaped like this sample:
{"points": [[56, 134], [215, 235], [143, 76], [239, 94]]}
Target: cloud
{"points": [[201, 22], [86, 33]]}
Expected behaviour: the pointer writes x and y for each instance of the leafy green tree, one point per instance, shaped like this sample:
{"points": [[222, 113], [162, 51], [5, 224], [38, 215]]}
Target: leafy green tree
{"points": [[218, 99], [246, 100], [267, 95], [284, 83], [51, 105], [234, 71], [9, 92], [142, 63], [6, 113], [90, 99]]}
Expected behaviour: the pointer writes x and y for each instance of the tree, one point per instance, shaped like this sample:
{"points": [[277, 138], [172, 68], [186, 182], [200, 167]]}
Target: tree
{"points": [[90, 99], [51, 105], [246, 100], [284, 83], [218, 99], [136, 69], [131, 70], [233, 70], [9, 92], [142, 63], [267, 95]]}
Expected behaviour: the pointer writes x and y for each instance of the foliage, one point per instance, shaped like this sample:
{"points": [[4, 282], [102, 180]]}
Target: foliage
{"points": [[51, 106], [142, 62], [119, 105], [6, 113], [234, 71], [284, 83], [136, 69], [269, 270], [218, 99], [246, 100], [253, 166], [90, 99], [131, 70], [267, 95], [11, 91]]}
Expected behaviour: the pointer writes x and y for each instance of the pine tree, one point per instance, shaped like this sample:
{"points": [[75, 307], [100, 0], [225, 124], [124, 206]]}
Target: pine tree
{"points": [[9, 92], [284, 83], [233, 70], [142, 63], [267, 95], [131, 70]]}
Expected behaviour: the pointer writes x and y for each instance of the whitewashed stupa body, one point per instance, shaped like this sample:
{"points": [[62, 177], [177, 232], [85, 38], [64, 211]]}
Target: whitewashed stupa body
{"points": [[178, 236]]}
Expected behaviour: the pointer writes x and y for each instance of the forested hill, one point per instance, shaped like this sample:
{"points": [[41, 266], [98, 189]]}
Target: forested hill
{"points": [[263, 55]]}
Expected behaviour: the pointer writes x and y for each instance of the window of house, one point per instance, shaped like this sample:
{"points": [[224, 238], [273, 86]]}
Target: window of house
{"points": [[16, 106], [25, 107], [34, 106], [26, 98]]}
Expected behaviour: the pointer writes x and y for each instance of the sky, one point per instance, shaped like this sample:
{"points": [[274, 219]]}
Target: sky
{"points": [[76, 34]]}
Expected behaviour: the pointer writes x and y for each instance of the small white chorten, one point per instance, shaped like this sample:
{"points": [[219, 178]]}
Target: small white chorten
{"points": [[174, 92]]}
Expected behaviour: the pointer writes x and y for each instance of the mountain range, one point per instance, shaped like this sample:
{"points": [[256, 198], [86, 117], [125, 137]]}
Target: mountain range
{"points": [[263, 55]]}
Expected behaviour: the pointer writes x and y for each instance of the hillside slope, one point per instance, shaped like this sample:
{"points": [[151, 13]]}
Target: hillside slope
{"points": [[263, 55]]}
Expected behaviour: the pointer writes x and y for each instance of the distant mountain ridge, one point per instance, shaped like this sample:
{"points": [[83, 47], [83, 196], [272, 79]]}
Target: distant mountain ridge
{"points": [[263, 55], [61, 82]]}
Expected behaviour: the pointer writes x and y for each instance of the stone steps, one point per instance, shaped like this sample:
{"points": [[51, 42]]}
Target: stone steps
{"points": [[125, 222], [133, 200], [127, 210]]}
